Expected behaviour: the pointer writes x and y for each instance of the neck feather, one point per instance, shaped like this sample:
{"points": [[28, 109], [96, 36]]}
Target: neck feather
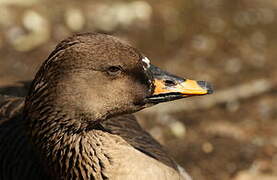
{"points": [[65, 145], [69, 154]]}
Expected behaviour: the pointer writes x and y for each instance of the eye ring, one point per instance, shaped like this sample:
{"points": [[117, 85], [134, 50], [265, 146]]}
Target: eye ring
{"points": [[114, 70]]}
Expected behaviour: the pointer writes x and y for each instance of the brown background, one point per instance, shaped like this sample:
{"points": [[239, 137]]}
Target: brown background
{"points": [[230, 43]]}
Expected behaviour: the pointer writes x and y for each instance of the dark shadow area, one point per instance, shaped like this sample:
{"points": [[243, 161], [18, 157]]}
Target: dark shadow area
{"points": [[18, 91]]}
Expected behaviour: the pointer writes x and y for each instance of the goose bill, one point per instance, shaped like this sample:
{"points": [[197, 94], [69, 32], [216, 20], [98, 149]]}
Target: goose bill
{"points": [[169, 87]]}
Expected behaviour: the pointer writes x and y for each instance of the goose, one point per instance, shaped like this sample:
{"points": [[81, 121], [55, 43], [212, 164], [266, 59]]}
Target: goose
{"points": [[76, 121]]}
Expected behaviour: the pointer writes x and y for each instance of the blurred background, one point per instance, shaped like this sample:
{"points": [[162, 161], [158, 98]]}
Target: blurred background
{"points": [[230, 135]]}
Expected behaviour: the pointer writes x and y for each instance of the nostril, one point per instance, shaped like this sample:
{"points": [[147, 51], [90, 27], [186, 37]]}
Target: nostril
{"points": [[169, 82]]}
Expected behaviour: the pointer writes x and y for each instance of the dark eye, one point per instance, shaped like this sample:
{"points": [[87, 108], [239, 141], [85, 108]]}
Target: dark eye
{"points": [[114, 70]]}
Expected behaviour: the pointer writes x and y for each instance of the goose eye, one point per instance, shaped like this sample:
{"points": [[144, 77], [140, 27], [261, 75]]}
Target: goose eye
{"points": [[114, 70]]}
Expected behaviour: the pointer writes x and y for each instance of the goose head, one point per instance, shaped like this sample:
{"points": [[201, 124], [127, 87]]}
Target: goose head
{"points": [[92, 77]]}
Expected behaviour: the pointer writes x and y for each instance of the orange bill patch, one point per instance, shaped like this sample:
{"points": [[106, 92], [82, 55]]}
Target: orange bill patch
{"points": [[187, 87]]}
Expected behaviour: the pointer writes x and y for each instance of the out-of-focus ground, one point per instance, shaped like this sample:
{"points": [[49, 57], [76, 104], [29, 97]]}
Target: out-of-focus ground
{"points": [[231, 135]]}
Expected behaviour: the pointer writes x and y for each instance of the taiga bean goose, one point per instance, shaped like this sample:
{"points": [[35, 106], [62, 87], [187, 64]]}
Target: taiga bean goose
{"points": [[76, 122]]}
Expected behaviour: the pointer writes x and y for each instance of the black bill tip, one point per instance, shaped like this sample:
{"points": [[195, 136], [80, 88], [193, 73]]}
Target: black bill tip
{"points": [[206, 85]]}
